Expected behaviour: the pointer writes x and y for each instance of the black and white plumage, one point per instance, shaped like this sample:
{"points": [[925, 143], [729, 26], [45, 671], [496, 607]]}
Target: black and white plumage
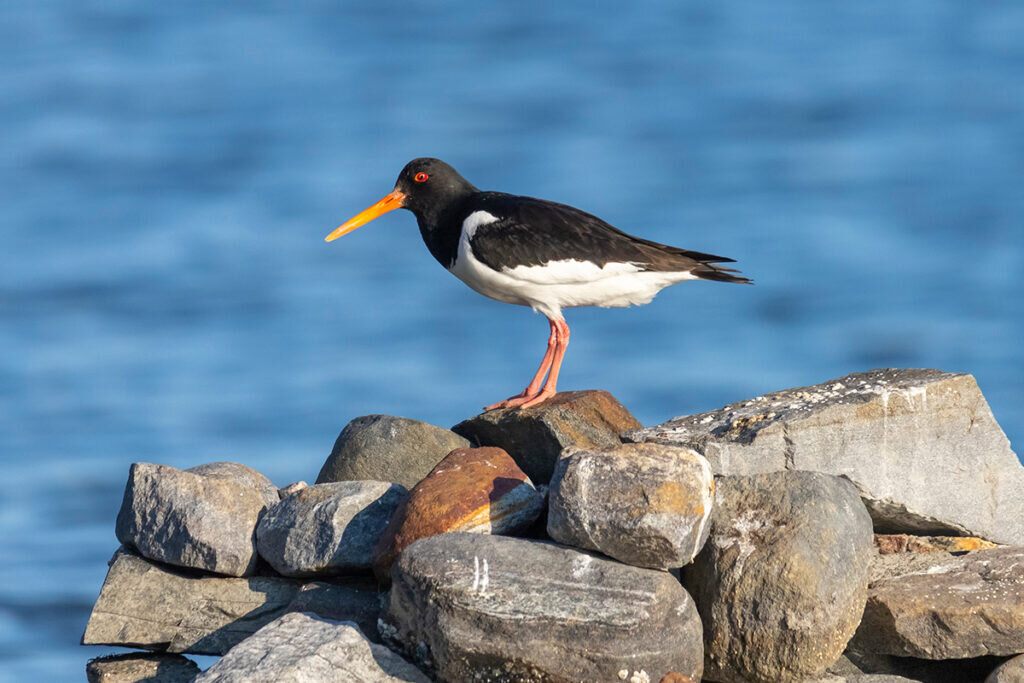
{"points": [[536, 253]]}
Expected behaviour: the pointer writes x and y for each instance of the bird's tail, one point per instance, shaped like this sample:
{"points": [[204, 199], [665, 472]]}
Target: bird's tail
{"points": [[708, 268]]}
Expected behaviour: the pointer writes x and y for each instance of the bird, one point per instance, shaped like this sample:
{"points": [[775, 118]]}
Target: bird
{"points": [[536, 253]]}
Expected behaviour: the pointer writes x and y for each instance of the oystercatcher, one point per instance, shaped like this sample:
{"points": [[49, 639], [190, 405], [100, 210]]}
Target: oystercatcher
{"points": [[535, 253]]}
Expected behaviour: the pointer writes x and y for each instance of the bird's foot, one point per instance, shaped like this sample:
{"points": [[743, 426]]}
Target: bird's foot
{"points": [[522, 400]]}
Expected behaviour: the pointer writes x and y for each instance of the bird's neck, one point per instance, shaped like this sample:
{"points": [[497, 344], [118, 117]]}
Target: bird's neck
{"points": [[441, 228]]}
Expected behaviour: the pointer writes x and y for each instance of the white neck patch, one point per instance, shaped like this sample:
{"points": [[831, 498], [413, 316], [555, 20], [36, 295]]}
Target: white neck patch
{"points": [[475, 220]]}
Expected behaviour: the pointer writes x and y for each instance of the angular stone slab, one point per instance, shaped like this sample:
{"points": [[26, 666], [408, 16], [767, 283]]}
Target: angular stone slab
{"points": [[887, 544], [643, 504], [535, 437], [192, 519], [781, 582], [139, 667], [387, 448], [496, 608], [921, 445], [327, 529], [958, 607], [299, 648]]}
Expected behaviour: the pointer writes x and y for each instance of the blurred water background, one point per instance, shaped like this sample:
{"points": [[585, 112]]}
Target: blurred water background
{"points": [[169, 170]]}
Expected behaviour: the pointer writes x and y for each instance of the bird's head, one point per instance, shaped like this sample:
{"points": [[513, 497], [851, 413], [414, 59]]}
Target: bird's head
{"points": [[424, 187]]}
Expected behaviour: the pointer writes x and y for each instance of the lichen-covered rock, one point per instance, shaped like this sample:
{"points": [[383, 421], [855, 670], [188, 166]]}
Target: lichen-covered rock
{"points": [[299, 648], [958, 607], [922, 447], [643, 504], [387, 448], [496, 608], [327, 528], [140, 667], [194, 519], [477, 490], [781, 582], [535, 437]]}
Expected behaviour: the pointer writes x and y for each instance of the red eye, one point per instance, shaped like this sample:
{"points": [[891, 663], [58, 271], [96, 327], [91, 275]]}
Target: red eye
{"points": [[421, 177]]}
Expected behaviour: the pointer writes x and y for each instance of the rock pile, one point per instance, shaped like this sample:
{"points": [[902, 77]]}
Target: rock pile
{"points": [[867, 529]]}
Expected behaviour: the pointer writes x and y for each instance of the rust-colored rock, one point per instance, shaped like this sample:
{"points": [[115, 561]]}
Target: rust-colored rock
{"points": [[535, 437], [675, 677], [478, 490], [888, 544]]}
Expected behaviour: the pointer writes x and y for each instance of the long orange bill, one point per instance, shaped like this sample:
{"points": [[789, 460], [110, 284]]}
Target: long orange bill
{"points": [[389, 203]]}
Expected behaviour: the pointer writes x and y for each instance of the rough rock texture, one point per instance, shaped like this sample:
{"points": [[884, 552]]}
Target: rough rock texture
{"points": [[643, 504], [137, 667], [386, 448], [189, 519], [1010, 671], [861, 678], [327, 528], [887, 544], [299, 648], [855, 662], [354, 599], [921, 445], [158, 608], [479, 490], [781, 582], [291, 488], [495, 608], [960, 607], [240, 473], [675, 677], [535, 437]]}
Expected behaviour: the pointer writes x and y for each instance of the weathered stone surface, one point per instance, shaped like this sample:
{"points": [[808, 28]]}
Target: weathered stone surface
{"points": [[855, 662], [354, 599], [299, 648], [137, 667], [921, 445], [478, 490], [643, 504], [386, 448], [861, 678], [959, 607], [240, 473], [781, 582], [291, 488], [1010, 671], [495, 608], [189, 519], [672, 677], [535, 437], [887, 544], [327, 528]]}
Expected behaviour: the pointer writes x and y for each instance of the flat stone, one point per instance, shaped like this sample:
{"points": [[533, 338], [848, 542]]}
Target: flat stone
{"points": [[958, 607], [861, 678], [243, 474], [922, 447], [386, 448], [1010, 671], [291, 488], [855, 662], [887, 544], [643, 504], [299, 648], [327, 529], [781, 582], [477, 490], [203, 520], [535, 437], [496, 608], [137, 667]]}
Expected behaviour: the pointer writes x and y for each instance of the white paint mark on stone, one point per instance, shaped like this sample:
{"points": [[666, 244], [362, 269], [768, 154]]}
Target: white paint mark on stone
{"points": [[484, 579], [476, 573], [581, 565]]}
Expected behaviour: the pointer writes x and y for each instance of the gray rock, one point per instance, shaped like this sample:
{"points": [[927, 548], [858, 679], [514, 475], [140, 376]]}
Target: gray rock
{"points": [[327, 528], [291, 488], [241, 473], [156, 607], [855, 662], [922, 447], [861, 678], [299, 648], [643, 504], [1010, 671], [137, 667], [386, 448], [781, 582], [495, 608], [203, 521], [959, 607]]}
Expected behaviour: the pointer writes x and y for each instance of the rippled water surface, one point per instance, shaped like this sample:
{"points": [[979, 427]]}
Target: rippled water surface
{"points": [[169, 171]]}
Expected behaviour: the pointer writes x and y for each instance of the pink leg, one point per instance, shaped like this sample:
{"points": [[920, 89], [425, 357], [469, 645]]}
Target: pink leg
{"points": [[534, 387], [550, 387]]}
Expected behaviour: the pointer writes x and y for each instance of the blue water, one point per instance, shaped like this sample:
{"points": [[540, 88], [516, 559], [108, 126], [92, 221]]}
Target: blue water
{"points": [[168, 172]]}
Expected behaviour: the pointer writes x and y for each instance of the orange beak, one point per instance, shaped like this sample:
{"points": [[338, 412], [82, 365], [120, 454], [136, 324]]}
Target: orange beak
{"points": [[389, 203]]}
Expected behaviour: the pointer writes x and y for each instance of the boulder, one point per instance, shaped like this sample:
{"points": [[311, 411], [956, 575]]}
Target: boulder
{"points": [[386, 448], [298, 648], [355, 599], [478, 490], [193, 519], [327, 529], [496, 608], [781, 582], [958, 607], [922, 447], [1010, 671], [240, 473], [643, 504], [136, 667], [291, 488], [535, 437], [887, 544]]}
